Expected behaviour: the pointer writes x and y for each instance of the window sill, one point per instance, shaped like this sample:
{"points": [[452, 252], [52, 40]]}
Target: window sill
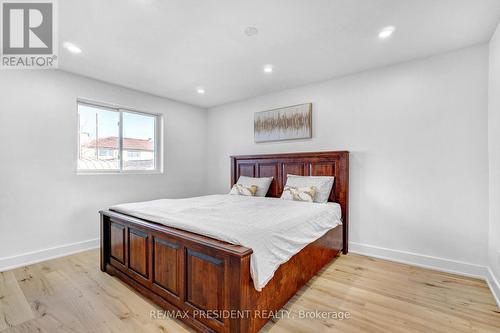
{"points": [[117, 173]]}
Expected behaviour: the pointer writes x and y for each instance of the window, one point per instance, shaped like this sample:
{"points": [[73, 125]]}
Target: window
{"points": [[133, 154], [115, 140], [105, 152]]}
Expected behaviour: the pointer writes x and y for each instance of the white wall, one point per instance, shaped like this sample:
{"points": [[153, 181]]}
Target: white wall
{"points": [[494, 155], [43, 203], [417, 132]]}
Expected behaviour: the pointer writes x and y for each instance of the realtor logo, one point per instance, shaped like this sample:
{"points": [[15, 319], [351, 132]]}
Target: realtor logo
{"points": [[28, 35]]}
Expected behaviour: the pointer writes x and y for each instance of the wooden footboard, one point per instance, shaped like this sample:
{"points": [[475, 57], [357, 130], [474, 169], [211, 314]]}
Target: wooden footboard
{"points": [[207, 281]]}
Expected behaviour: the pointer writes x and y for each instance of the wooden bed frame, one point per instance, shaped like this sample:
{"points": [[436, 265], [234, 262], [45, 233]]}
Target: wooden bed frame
{"points": [[206, 282]]}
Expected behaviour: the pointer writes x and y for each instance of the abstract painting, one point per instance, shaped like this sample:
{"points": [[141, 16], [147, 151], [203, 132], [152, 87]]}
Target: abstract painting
{"points": [[289, 123]]}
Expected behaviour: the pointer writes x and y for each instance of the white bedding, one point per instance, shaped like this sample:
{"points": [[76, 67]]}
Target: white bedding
{"points": [[273, 228]]}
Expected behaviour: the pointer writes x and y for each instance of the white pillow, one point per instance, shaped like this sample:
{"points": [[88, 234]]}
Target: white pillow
{"points": [[323, 185], [262, 184]]}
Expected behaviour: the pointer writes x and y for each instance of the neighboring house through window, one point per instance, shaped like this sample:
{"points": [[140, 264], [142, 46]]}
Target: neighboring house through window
{"points": [[117, 140]]}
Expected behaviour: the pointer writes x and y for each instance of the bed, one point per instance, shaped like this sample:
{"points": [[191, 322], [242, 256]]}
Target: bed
{"points": [[208, 281]]}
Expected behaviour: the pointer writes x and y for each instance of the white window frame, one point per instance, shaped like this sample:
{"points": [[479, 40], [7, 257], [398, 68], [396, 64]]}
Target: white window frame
{"points": [[121, 109]]}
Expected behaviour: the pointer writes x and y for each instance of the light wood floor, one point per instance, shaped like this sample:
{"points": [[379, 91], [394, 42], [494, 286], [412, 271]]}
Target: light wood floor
{"points": [[71, 294]]}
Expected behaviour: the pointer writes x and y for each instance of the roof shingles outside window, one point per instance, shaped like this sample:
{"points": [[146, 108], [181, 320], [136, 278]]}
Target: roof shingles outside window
{"points": [[128, 144]]}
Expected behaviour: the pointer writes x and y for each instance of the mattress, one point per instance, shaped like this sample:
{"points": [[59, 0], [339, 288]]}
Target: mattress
{"points": [[273, 228]]}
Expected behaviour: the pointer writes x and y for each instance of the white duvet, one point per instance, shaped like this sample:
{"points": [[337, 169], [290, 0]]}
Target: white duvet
{"points": [[273, 228]]}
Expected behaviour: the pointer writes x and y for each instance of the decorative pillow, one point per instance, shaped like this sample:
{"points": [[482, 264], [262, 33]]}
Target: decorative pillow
{"points": [[248, 191], [262, 184], [323, 185], [299, 193]]}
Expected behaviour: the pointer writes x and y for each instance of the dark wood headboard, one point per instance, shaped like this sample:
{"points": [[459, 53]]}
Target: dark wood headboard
{"points": [[331, 163]]}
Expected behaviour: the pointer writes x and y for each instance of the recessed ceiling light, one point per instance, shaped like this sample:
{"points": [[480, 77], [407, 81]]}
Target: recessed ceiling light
{"points": [[268, 68], [386, 32], [251, 31], [72, 48], [200, 91]]}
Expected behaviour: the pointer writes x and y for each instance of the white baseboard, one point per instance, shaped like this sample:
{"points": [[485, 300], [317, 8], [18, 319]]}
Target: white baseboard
{"points": [[420, 260], [494, 285], [34, 257], [436, 263]]}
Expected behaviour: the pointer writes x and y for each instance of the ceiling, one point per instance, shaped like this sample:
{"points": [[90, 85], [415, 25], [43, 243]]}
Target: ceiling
{"points": [[172, 47]]}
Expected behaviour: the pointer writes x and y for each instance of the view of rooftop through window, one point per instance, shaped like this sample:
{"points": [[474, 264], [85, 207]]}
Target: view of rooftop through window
{"points": [[102, 148]]}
